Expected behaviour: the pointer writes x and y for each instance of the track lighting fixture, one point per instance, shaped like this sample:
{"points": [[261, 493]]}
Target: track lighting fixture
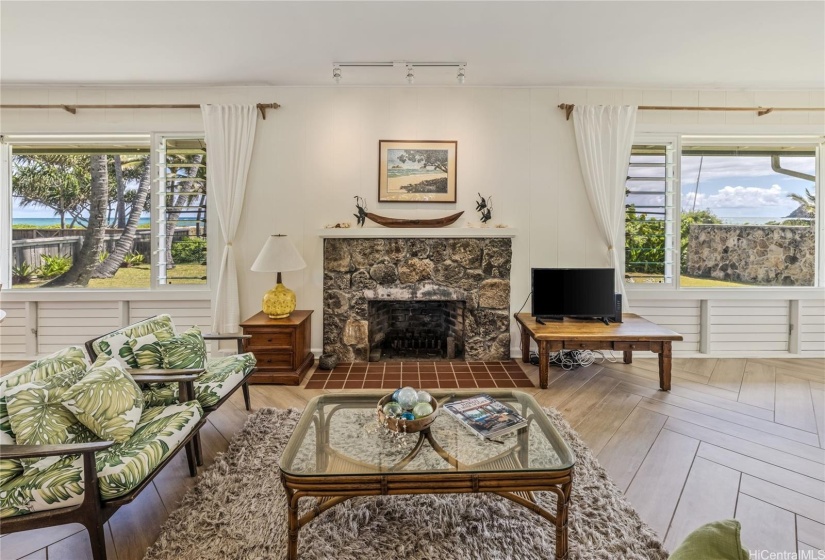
{"points": [[409, 66]]}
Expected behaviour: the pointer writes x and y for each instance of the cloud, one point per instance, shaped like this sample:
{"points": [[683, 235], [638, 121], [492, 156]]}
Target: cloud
{"points": [[716, 167], [774, 197]]}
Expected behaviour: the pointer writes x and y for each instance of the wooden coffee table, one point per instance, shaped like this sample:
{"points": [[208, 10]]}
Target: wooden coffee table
{"points": [[339, 451], [634, 334]]}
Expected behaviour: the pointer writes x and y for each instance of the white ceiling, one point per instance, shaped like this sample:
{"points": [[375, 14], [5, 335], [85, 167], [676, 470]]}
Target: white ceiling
{"points": [[776, 45]]}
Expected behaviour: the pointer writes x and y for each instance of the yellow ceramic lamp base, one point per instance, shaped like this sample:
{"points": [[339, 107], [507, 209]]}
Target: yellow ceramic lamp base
{"points": [[279, 302]]}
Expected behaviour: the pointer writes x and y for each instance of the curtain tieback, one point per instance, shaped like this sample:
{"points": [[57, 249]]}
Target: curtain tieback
{"points": [[610, 247], [229, 244]]}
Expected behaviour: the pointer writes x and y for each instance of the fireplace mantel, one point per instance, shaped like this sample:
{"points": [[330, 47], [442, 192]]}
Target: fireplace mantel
{"points": [[436, 233]]}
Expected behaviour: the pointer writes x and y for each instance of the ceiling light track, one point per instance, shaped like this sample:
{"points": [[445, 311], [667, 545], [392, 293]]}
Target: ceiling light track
{"points": [[407, 65]]}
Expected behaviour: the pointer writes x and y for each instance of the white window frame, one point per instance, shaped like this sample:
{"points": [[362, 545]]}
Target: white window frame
{"points": [[58, 294], [155, 207], [812, 140], [676, 193]]}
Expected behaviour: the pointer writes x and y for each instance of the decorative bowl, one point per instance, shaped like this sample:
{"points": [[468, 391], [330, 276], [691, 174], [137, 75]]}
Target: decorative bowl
{"points": [[405, 426]]}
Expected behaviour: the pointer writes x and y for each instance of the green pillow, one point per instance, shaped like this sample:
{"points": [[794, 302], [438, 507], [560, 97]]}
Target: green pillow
{"points": [[185, 351], [145, 350], [36, 413], [107, 401], [36, 371], [719, 540]]}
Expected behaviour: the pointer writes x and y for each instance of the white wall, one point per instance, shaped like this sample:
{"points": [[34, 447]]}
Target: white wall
{"points": [[321, 148]]}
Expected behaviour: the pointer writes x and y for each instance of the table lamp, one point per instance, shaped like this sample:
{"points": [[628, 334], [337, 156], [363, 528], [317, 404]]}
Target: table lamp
{"points": [[278, 255]]}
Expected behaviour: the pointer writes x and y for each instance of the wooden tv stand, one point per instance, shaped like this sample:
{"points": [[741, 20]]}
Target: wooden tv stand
{"points": [[635, 333]]}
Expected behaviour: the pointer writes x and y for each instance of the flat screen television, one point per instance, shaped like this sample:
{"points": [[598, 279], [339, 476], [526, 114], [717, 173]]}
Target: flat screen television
{"points": [[574, 292]]}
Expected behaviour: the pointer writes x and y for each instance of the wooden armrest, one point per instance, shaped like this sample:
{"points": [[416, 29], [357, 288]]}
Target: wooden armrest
{"points": [[160, 372], [226, 336], [25, 451], [140, 378]]}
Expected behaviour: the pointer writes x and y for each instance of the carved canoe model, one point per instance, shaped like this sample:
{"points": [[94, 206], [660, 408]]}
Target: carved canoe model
{"points": [[410, 223]]}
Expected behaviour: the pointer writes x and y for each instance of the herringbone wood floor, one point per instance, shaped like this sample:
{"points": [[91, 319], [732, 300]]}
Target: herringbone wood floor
{"points": [[734, 438]]}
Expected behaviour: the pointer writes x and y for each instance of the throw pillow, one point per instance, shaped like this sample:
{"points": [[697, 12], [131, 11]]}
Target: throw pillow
{"points": [[185, 351], [719, 540], [36, 413], [116, 344], [146, 349], [107, 401], [36, 371]]}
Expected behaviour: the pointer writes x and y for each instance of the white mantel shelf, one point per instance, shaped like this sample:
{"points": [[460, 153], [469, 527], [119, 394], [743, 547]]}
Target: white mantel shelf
{"points": [[432, 233]]}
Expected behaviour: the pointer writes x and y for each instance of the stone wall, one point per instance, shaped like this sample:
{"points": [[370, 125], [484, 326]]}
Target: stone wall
{"points": [[767, 255], [473, 270]]}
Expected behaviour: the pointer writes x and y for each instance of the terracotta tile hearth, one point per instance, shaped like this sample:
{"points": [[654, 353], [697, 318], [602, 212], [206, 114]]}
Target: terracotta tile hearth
{"points": [[424, 375]]}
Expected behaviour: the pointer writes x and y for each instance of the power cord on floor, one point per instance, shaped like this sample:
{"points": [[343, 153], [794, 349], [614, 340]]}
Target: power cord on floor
{"points": [[574, 359]]}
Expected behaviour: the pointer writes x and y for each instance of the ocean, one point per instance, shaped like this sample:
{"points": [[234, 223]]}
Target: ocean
{"points": [[46, 222], [404, 172]]}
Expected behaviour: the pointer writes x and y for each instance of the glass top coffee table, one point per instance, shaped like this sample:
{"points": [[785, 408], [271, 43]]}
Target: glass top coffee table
{"points": [[338, 451]]}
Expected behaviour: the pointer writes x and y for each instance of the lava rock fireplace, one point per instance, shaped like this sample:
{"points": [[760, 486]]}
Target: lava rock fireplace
{"points": [[417, 298]]}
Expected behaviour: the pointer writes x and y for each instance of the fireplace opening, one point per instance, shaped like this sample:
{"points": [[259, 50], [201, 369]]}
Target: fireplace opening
{"points": [[421, 330]]}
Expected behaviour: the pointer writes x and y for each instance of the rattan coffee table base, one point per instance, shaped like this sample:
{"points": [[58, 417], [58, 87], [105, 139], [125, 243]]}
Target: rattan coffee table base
{"points": [[335, 488]]}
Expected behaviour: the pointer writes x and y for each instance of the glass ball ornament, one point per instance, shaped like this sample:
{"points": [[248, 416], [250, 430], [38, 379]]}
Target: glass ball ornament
{"points": [[395, 394], [392, 409], [422, 409], [407, 415], [407, 398], [424, 397]]}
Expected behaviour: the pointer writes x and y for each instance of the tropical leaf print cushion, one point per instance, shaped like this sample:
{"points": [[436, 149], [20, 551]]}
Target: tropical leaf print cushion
{"points": [[116, 344], [160, 431], [60, 485], [36, 413], [185, 351], [107, 401], [39, 370], [146, 349]]}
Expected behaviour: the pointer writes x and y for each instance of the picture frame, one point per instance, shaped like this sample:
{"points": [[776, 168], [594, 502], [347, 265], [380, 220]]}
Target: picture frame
{"points": [[417, 170]]}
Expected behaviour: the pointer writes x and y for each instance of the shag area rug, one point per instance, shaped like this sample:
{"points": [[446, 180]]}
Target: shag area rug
{"points": [[237, 510]]}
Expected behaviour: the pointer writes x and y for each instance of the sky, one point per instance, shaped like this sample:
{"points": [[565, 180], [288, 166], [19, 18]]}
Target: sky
{"points": [[737, 189]]}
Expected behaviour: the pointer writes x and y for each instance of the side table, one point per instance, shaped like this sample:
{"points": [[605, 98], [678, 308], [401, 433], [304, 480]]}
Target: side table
{"points": [[281, 347]]}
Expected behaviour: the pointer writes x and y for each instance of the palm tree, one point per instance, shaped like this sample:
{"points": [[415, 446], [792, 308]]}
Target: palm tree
{"points": [[186, 190], [85, 263], [124, 244], [807, 204]]}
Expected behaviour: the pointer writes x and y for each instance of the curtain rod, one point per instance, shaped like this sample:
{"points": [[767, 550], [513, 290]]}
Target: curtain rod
{"points": [[262, 107], [760, 111]]}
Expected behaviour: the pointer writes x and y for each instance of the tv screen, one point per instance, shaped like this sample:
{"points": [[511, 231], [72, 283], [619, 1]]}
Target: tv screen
{"points": [[574, 292]]}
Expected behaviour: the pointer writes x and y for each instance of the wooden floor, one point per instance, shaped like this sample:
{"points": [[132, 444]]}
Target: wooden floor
{"points": [[734, 438]]}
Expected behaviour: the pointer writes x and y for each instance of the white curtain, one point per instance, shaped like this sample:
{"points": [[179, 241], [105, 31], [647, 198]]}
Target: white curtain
{"points": [[230, 134], [604, 137]]}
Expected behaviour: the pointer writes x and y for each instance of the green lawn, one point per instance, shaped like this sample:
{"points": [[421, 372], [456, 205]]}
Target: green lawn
{"points": [[693, 282], [687, 281], [138, 277]]}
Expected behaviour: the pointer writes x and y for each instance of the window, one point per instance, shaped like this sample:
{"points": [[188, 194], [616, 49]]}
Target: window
{"points": [[746, 214], [181, 224], [86, 212], [649, 243]]}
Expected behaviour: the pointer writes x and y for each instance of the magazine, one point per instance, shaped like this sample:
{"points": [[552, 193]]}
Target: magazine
{"points": [[485, 416]]}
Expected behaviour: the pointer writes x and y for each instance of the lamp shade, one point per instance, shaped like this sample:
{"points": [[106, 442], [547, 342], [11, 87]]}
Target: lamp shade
{"points": [[278, 255]]}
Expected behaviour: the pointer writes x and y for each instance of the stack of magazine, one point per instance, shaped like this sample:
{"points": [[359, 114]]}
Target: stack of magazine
{"points": [[485, 416]]}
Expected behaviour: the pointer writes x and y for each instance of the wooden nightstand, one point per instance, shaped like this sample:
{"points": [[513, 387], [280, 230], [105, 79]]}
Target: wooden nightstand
{"points": [[281, 347]]}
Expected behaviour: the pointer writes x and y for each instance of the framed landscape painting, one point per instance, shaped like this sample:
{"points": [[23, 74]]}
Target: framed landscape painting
{"points": [[417, 170]]}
